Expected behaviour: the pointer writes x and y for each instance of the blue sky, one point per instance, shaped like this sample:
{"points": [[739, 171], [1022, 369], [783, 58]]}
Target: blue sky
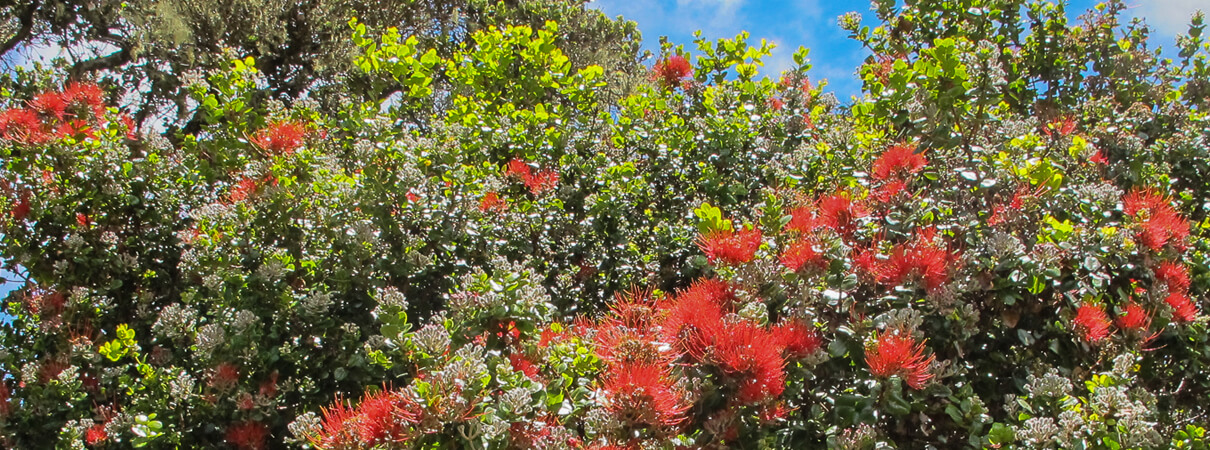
{"points": [[812, 24]]}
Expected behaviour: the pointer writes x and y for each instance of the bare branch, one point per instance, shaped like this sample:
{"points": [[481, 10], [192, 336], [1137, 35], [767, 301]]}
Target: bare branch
{"points": [[27, 27]]}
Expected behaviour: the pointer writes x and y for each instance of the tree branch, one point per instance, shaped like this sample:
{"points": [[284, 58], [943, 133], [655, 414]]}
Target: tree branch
{"points": [[27, 27], [109, 61]]}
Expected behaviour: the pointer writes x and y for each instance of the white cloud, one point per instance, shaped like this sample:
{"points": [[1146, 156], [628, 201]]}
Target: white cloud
{"points": [[1167, 17]]}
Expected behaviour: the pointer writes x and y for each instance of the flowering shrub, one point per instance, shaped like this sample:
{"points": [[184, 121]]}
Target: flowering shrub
{"points": [[994, 246]]}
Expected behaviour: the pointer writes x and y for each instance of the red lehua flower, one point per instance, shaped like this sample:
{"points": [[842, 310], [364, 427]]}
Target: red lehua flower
{"points": [[225, 376], [618, 344], [801, 254], [384, 418], [839, 212], [20, 124], [548, 336], [492, 202], [243, 189], [997, 216], [716, 290], [888, 191], [643, 394], [51, 104], [76, 129], [1161, 223], [281, 137], [268, 388], [412, 197], [776, 103], [694, 321], [803, 219], [338, 427], [132, 131], [1176, 276], [1164, 228], [518, 168], [633, 309], [898, 160], [21, 206], [921, 258], [96, 434], [751, 355], [1140, 200], [1134, 318], [542, 181], [521, 364], [1063, 126], [1018, 202], [1183, 308], [730, 246], [1092, 322], [246, 402], [671, 70], [1099, 157], [797, 339], [896, 353], [83, 221], [87, 94], [248, 435]]}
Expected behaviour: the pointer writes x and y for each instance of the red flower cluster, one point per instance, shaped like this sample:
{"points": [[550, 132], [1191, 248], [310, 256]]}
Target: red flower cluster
{"points": [[836, 211], [628, 334], [281, 137], [641, 393], [642, 339], [802, 253], [521, 364], [797, 339], [897, 353], [1018, 202], [920, 259], [637, 387], [752, 356], [1160, 223], [70, 113], [749, 355], [242, 190], [671, 70], [1134, 318], [248, 435], [225, 376], [1092, 322], [888, 191], [730, 246], [897, 161], [96, 434], [492, 202], [1063, 126], [247, 186], [1099, 157], [1183, 308], [537, 183], [1176, 277], [383, 418]]}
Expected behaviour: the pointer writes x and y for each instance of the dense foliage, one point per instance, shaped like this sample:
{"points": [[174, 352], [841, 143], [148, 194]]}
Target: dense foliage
{"points": [[1002, 243]]}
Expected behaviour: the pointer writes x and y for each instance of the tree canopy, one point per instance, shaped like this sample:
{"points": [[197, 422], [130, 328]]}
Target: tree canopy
{"points": [[356, 233]]}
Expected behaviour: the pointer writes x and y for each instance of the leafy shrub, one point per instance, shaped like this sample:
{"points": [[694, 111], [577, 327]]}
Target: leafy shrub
{"points": [[999, 244]]}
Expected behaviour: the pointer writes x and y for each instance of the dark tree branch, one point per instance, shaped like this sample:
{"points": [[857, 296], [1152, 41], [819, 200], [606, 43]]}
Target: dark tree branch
{"points": [[109, 61], [27, 27]]}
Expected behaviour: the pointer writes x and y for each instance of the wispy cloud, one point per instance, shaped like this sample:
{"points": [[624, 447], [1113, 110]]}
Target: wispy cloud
{"points": [[1168, 17]]}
